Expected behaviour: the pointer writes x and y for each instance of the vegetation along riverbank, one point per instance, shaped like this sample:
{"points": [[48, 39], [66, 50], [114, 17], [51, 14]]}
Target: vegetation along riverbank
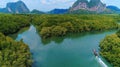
{"points": [[110, 49], [47, 26]]}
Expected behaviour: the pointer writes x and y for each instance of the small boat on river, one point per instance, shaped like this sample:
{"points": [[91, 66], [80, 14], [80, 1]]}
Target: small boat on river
{"points": [[95, 52]]}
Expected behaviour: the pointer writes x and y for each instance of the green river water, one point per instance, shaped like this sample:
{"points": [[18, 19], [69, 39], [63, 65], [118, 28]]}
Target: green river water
{"points": [[70, 51]]}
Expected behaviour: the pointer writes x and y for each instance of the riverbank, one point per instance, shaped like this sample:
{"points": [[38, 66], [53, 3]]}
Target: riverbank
{"points": [[110, 49], [16, 34], [60, 25], [55, 25], [71, 51], [13, 54]]}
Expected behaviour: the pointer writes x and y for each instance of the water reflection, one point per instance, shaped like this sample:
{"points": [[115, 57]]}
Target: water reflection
{"points": [[59, 40], [68, 51]]}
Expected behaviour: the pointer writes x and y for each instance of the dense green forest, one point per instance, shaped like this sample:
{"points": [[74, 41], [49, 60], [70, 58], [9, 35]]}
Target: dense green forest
{"points": [[57, 25], [110, 48], [14, 54], [13, 23], [60, 25]]}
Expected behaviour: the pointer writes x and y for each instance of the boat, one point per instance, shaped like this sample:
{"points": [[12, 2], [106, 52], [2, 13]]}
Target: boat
{"points": [[95, 52]]}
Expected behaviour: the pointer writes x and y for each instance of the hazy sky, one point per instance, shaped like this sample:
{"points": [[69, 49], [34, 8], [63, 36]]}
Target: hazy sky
{"points": [[46, 5]]}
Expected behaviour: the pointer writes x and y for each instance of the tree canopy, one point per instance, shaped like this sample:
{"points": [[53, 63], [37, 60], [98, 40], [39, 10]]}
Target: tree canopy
{"points": [[110, 49], [47, 24], [14, 54]]}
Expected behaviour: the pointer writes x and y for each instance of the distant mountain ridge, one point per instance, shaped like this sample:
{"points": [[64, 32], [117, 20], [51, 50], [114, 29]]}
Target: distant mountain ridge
{"points": [[35, 11], [114, 9], [15, 7], [58, 11]]}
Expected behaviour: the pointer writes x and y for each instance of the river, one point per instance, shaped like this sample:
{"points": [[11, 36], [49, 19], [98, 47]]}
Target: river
{"points": [[70, 51]]}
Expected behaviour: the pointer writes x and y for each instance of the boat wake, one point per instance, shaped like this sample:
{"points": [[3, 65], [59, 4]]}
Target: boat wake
{"points": [[101, 62]]}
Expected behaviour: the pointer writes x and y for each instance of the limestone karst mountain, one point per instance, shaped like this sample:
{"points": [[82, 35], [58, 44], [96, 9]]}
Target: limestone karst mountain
{"points": [[92, 5], [15, 7]]}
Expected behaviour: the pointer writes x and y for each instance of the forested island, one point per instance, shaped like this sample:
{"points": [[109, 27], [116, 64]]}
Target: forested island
{"points": [[60, 25], [14, 53]]}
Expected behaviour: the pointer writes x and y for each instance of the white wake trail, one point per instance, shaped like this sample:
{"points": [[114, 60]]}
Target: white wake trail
{"points": [[101, 62]]}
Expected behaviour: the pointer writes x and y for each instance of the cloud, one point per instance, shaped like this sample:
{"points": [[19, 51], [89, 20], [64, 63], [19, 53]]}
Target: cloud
{"points": [[55, 1], [46, 5], [44, 2]]}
